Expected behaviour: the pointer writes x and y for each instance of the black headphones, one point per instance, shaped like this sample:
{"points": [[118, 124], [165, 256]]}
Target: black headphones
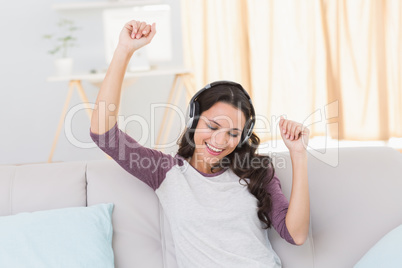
{"points": [[193, 110]]}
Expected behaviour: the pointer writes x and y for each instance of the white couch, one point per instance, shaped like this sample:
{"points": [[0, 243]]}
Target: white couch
{"points": [[352, 205]]}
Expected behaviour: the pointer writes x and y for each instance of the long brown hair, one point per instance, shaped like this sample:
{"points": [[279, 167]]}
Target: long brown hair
{"points": [[260, 175]]}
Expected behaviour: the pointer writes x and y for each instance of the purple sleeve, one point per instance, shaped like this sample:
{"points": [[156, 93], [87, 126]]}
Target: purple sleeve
{"points": [[279, 209], [148, 165]]}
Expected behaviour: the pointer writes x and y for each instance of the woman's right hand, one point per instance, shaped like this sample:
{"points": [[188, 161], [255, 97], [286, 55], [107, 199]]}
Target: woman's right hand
{"points": [[136, 34]]}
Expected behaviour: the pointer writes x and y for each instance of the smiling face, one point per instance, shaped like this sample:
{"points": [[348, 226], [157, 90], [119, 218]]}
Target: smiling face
{"points": [[217, 134]]}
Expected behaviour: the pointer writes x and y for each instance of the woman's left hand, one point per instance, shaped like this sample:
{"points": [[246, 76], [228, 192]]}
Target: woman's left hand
{"points": [[295, 135]]}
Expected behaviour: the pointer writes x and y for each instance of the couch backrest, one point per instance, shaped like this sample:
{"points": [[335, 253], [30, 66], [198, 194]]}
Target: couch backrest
{"points": [[139, 239], [139, 236], [352, 205], [33, 187]]}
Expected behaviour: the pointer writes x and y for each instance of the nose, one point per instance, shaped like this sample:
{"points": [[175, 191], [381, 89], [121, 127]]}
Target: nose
{"points": [[220, 139]]}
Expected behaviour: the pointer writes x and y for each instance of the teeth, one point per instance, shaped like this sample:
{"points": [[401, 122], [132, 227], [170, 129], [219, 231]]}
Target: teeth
{"points": [[213, 148]]}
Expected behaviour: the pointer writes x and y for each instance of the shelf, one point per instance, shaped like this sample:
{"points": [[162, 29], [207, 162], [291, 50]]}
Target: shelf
{"points": [[98, 77], [104, 4]]}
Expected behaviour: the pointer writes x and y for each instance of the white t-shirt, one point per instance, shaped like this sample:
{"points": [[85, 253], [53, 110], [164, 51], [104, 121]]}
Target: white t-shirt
{"points": [[213, 217]]}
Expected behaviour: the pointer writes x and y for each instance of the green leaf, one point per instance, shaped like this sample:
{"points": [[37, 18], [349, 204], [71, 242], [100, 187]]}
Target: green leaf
{"points": [[65, 39], [54, 51]]}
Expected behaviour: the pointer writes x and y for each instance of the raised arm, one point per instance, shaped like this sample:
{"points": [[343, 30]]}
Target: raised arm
{"points": [[279, 209], [296, 136], [134, 35]]}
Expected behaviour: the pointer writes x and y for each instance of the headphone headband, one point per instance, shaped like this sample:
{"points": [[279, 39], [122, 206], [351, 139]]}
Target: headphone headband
{"points": [[193, 109]]}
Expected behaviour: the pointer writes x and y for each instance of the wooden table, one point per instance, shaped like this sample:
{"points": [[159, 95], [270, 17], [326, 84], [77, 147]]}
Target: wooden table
{"points": [[182, 79]]}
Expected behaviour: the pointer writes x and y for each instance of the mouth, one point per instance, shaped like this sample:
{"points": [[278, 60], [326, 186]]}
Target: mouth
{"points": [[212, 150]]}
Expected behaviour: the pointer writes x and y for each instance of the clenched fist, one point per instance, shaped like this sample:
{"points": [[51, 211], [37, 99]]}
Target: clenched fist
{"points": [[136, 34], [295, 135]]}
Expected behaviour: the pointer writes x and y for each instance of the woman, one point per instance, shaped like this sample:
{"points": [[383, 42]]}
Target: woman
{"points": [[218, 194]]}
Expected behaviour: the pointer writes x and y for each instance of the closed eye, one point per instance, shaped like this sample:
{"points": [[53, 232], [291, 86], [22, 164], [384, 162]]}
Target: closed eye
{"points": [[213, 128]]}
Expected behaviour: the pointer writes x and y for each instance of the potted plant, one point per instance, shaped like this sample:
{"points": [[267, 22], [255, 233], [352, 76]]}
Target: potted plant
{"points": [[63, 41]]}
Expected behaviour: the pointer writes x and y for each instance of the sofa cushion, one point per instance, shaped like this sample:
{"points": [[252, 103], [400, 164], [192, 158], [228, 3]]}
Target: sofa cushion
{"points": [[67, 237], [33, 187], [137, 221], [385, 253]]}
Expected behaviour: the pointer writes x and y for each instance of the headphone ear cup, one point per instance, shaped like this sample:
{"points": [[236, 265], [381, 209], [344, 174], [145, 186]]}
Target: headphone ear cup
{"points": [[243, 135], [247, 132], [196, 115], [189, 119]]}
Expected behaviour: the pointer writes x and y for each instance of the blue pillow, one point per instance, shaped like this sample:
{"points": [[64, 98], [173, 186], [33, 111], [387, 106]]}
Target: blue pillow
{"points": [[68, 237], [385, 253]]}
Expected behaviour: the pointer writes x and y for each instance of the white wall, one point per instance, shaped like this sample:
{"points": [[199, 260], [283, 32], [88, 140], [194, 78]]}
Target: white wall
{"points": [[30, 107]]}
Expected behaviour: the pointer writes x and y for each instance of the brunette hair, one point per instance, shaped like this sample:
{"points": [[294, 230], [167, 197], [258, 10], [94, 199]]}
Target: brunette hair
{"points": [[260, 175]]}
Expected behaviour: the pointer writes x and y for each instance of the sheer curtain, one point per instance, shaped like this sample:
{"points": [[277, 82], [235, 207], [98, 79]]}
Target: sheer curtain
{"points": [[335, 66]]}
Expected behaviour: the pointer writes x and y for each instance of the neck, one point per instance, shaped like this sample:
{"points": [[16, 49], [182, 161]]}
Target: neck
{"points": [[202, 166]]}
